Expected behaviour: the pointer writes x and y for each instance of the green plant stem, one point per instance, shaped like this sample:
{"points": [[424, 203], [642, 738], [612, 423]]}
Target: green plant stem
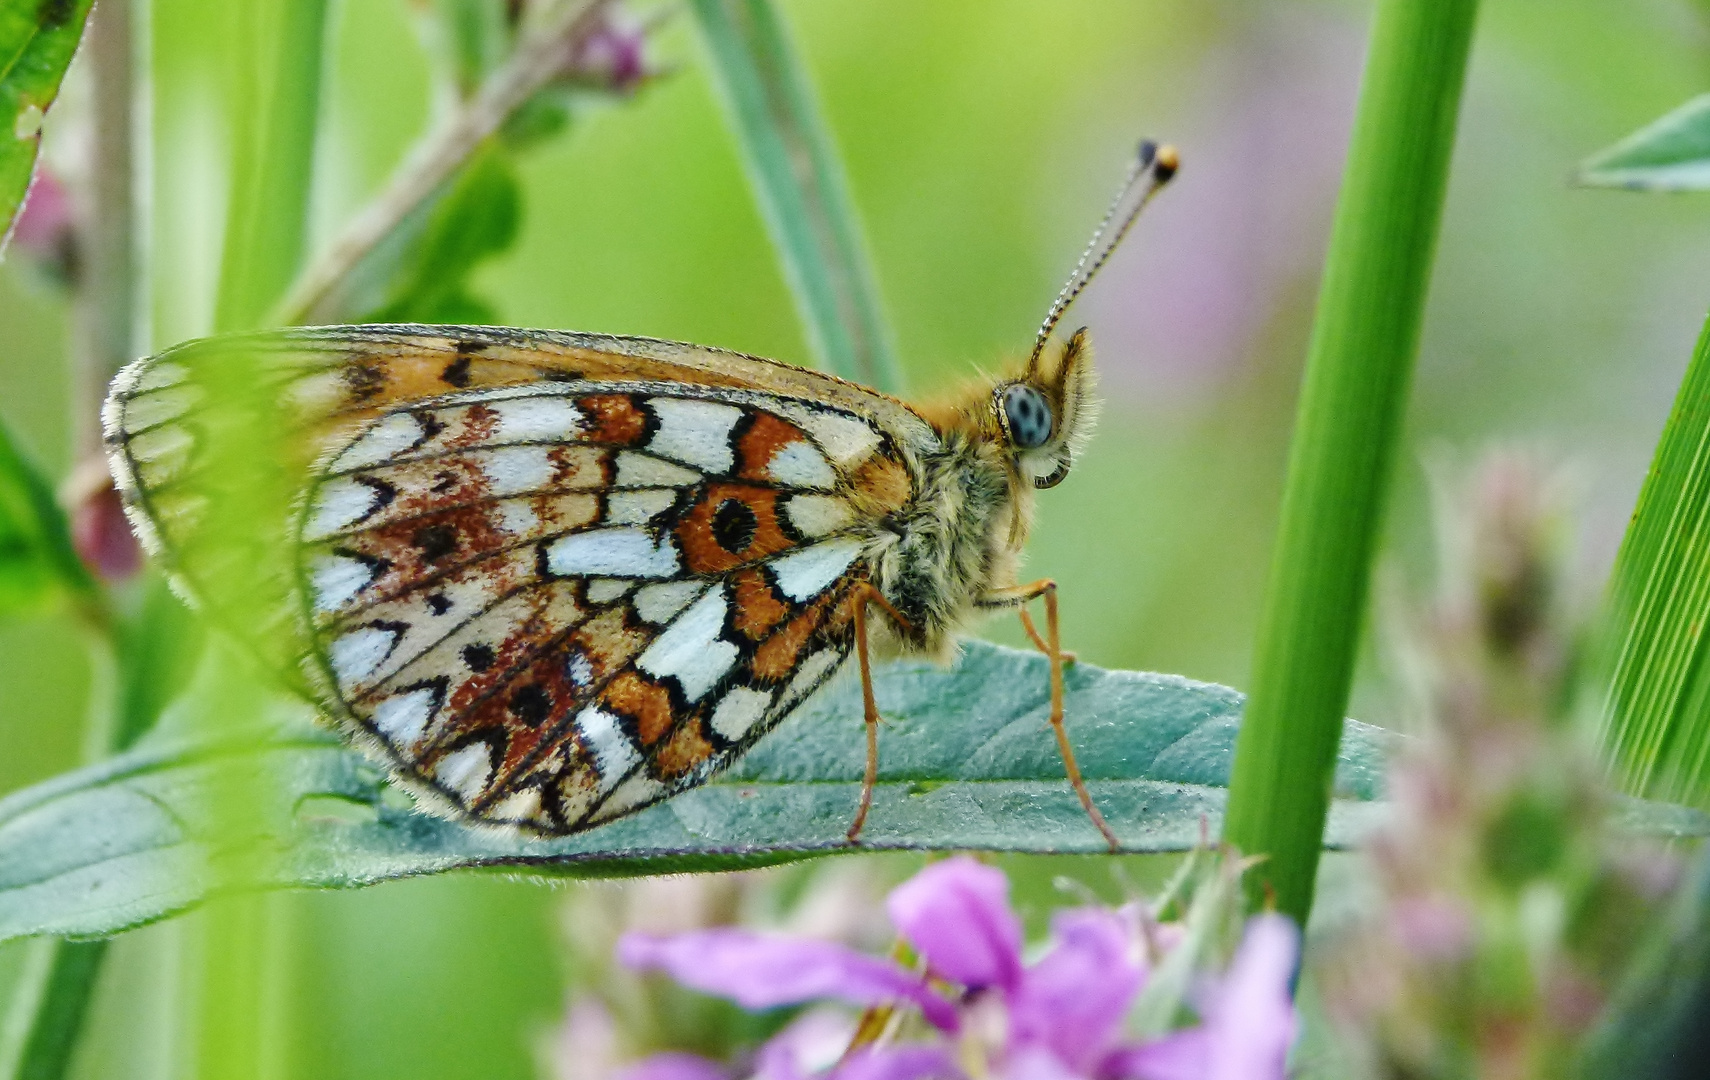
{"points": [[546, 56], [1656, 719], [1355, 386], [274, 121], [799, 182], [108, 300], [274, 118], [47, 1015]]}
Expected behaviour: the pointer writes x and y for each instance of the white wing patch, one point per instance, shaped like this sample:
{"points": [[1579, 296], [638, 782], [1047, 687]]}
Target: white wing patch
{"points": [[537, 419], [514, 470], [847, 440], [638, 507], [657, 603], [818, 515], [643, 470], [356, 655], [691, 649], [402, 718], [465, 771], [340, 503], [385, 439], [695, 432], [613, 753], [798, 464], [336, 579], [739, 710], [613, 553], [804, 573]]}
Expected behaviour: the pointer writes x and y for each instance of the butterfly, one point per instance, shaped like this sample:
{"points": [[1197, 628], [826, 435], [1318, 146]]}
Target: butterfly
{"points": [[552, 578]]}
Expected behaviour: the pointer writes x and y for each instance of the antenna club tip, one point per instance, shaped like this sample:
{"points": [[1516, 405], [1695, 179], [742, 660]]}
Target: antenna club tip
{"points": [[1165, 162]]}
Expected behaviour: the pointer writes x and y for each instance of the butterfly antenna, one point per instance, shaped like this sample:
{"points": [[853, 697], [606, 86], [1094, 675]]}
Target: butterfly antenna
{"points": [[1151, 170]]}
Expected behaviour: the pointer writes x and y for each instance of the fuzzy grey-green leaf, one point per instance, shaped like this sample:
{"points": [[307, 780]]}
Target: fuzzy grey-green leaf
{"points": [[967, 760]]}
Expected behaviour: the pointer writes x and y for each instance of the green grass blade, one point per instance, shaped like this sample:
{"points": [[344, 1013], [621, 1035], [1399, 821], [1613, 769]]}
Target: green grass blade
{"points": [[37, 42], [275, 116], [1671, 154], [799, 183], [1656, 721], [1357, 375]]}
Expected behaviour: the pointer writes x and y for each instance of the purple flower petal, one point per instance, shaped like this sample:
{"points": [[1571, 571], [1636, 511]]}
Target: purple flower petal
{"points": [[1036, 1063], [759, 971], [671, 1066], [811, 1043], [956, 914], [900, 1063], [1182, 1055], [1073, 1000], [1253, 1022]]}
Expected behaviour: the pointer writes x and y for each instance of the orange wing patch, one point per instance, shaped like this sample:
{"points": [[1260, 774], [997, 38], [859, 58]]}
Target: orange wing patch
{"points": [[731, 525]]}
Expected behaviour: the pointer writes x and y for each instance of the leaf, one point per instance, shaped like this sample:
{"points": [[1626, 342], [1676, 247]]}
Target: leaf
{"points": [[1671, 154], [1656, 718], [966, 761], [36, 556], [798, 182], [37, 41], [428, 265]]}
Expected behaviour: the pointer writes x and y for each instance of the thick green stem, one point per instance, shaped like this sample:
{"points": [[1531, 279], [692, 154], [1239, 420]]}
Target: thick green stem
{"points": [[1357, 375], [273, 156], [798, 181], [274, 121]]}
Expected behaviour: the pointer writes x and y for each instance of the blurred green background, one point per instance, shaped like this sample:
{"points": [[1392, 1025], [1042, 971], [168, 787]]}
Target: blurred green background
{"points": [[982, 141]]}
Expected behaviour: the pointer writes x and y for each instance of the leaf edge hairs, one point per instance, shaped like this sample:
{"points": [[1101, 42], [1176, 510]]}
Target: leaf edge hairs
{"points": [[550, 578]]}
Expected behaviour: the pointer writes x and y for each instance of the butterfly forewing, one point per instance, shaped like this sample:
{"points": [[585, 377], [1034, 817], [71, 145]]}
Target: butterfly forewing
{"points": [[554, 578]]}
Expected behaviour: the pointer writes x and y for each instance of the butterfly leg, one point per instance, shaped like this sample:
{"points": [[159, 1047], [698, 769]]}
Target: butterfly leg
{"points": [[1039, 642], [1052, 647], [862, 595]]}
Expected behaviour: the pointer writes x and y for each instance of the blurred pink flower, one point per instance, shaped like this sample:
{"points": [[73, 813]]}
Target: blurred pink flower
{"points": [[99, 532], [45, 230], [1058, 1019]]}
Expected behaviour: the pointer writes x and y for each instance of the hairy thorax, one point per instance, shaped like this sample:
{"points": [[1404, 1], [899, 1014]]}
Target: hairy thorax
{"points": [[958, 539]]}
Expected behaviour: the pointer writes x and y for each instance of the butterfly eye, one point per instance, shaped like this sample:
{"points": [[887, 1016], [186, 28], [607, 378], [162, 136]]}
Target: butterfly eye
{"points": [[1027, 415]]}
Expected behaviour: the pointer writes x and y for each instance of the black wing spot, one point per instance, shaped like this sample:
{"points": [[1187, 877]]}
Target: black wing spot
{"points": [[438, 604], [456, 373], [435, 542], [531, 705], [734, 526], [478, 656], [384, 492], [471, 345], [364, 380]]}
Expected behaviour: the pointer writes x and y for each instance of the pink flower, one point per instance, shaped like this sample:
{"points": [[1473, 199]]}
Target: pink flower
{"points": [[1249, 1017], [1057, 1019]]}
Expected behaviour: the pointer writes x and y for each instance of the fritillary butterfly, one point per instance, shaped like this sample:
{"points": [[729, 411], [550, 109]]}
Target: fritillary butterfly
{"points": [[552, 578]]}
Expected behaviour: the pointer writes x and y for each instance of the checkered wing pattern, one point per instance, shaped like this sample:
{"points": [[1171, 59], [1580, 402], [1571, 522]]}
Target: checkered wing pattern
{"points": [[553, 581]]}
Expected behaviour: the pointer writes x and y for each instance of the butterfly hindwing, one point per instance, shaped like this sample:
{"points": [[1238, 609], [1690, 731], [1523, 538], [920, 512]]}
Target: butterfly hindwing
{"points": [[557, 602], [549, 578]]}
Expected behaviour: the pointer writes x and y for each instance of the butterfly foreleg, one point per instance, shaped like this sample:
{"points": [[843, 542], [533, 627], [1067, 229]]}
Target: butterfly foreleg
{"points": [[862, 595], [1018, 597]]}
